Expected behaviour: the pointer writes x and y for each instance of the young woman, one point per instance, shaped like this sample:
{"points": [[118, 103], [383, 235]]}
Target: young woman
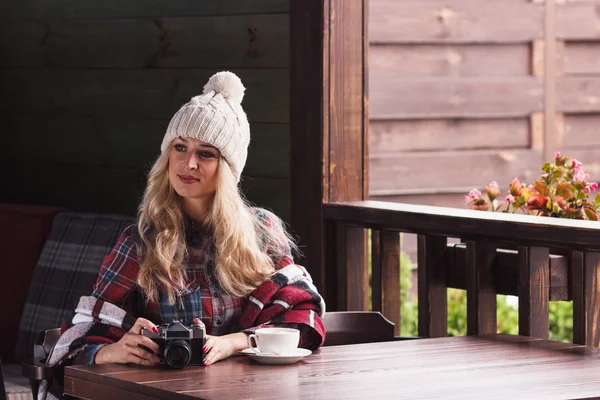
{"points": [[198, 250]]}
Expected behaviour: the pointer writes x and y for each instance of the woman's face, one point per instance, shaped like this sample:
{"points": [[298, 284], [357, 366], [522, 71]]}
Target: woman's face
{"points": [[193, 168]]}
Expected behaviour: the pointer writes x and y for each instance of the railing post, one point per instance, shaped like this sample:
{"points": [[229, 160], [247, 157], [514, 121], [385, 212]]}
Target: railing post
{"points": [[376, 301], [585, 269], [481, 290], [389, 251], [352, 275], [534, 291], [433, 301]]}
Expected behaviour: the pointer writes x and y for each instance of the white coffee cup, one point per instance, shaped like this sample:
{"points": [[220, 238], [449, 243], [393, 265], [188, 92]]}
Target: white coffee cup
{"points": [[280, 341]]}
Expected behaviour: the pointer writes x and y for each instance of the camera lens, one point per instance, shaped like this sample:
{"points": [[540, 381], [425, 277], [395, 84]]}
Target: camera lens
{"points": [[177, 353]]}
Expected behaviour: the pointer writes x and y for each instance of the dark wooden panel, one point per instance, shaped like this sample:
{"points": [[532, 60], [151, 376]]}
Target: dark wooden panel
{"points": [[413, 60], [586, 298], [309, 180], [247, 41], [578, 94], [447, 134], [455, 21], [454, 98], [270, 193], [582, 58], [534, 291], [76, 187], [481, 291], [506, 272], [134, 93], [581, 130], [432, 270], [579, 303], [390, 277], [404, 173], [524, 230], [35, 10], [124, 142], [577, 21]]}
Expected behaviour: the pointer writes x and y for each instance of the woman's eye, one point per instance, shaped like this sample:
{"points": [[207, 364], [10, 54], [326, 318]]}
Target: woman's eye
{"points": [[206, 154], [179, 147]]}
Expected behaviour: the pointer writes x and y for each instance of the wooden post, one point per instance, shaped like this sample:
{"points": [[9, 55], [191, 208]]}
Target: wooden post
{"points": [[586, 297], [433, 290], [481, 291], [534, 291], [328, 127]]}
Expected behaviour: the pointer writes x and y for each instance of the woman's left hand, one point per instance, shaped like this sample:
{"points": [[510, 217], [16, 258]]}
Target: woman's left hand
{"points": [[219, 348]]}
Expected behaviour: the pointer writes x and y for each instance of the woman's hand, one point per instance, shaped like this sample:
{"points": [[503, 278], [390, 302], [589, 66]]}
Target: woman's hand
{"points": [[127, 350], [219, 348]]}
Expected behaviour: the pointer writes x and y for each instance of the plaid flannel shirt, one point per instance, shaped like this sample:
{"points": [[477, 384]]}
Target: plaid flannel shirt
{"points": [[202, 298]]}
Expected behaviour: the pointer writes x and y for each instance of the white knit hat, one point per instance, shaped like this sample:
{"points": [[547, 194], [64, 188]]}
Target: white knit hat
{"points": [[217, 118]]}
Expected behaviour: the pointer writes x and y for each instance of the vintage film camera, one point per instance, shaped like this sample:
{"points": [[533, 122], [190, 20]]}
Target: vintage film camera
{"points": [[179, 345]]}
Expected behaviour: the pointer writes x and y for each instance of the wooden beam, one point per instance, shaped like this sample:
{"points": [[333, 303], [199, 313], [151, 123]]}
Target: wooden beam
{"points": [[550, 74], [390, 277]]}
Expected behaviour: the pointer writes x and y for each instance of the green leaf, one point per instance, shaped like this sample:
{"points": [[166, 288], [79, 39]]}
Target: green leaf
{"points": [[547, 167], [564, 189], [557, 174], [598, 200]]}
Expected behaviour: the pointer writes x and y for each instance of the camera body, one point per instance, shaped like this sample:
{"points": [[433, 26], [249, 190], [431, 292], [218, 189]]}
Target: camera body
{"points": [[179, 345]]}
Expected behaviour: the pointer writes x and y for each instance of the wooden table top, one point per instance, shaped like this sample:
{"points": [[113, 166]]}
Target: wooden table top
{"points": [[491, 367]]}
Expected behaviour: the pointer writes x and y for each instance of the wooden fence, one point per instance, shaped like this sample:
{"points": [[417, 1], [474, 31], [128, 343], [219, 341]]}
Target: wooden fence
{"points": [[463, 92]]}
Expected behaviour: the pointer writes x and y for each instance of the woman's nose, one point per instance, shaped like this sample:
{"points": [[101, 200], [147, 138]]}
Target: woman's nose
{"points": [[191, 162]]}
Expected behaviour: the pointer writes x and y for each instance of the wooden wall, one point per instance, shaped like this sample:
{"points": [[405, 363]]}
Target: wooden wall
{"points": [[87, 90], [463, 92]]}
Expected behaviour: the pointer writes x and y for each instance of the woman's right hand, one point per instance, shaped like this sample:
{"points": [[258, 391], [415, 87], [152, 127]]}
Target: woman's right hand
{"points": [[127, 350]]}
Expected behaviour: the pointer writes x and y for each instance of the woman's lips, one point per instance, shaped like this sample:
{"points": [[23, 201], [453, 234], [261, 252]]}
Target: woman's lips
{"points": [[187, 179]]}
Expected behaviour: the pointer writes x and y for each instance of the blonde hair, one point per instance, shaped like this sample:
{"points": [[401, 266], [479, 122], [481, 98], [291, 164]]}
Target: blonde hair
{"points": [[245, 242]]}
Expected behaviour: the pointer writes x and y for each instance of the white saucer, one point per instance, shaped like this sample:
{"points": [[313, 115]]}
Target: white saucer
{"points": [[266, 358]]}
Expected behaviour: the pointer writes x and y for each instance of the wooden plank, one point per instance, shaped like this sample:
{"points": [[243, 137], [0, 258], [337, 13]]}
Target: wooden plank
{"points": [[66, 9], [481, 293], [346, 106], [582, 58], [120, 142], [579, 300], [577, 21], [390, 277], [410, 173], [578, 94], [506, 272], [309, 167], [410, 60], [88, 389], [352, 274], [134, 93], [586, 298], [441, 199], [455, 21], [581, 130], [534, 291], [433, 307], [376, 268], [447, 134], [246, 41], [550, 75], [524, 230], [452, 98]]}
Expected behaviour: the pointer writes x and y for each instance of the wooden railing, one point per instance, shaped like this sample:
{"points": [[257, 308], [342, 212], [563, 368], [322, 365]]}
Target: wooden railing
{"points": [[538, 259]]}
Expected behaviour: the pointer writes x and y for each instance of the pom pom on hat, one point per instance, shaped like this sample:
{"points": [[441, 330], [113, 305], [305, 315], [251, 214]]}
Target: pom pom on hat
{"points": [[228, 85]]}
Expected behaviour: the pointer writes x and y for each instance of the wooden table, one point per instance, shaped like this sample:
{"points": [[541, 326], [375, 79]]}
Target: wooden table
{"points": [[493, 366]]}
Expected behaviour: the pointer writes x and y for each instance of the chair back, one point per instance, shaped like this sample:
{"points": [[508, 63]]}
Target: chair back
{"points": [[353, 327], [2, 389], [67, 269]]}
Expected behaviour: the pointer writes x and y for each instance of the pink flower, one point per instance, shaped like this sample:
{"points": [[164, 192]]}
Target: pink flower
{"points": [[474, 194], [576, 164], [510, 199], [591, 187], [557, 155], [493, 184], [467, 199], [581, 175]]}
